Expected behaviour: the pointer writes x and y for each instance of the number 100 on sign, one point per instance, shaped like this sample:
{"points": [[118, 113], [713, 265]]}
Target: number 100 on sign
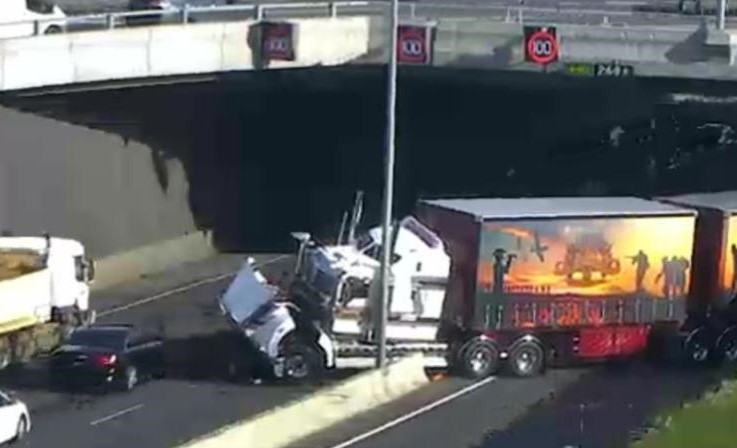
{"points": [[541, 45]]}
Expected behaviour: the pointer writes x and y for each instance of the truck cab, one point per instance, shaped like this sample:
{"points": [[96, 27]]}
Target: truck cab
{"points": [[340, 277], [23, 18], [70, 269]]}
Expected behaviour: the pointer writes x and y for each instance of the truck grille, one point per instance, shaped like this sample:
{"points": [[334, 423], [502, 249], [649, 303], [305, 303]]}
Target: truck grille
{"points": [[323, 282]]}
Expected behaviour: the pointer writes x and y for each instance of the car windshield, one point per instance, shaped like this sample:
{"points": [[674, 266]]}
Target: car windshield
{"points": [[111, 339]]}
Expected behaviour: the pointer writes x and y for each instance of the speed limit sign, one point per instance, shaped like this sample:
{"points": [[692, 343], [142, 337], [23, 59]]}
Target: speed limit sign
{"points": [[541, 45]]}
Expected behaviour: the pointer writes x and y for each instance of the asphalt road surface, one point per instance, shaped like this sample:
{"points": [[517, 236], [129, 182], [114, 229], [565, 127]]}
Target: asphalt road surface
{"points": [[200, 392], [598, 407]]}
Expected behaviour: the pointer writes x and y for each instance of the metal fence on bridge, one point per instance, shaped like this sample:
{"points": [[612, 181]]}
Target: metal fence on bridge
{"points": [[188, 14]]}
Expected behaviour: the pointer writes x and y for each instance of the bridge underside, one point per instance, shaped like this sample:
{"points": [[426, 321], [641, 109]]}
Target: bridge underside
{"points": [[257, 155]]}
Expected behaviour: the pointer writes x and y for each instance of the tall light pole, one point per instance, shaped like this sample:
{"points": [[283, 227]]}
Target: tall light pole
{"points": [[380, 321]]}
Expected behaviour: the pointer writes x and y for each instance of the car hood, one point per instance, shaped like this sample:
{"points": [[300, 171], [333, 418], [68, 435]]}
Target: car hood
{"points": [[246, 295]]}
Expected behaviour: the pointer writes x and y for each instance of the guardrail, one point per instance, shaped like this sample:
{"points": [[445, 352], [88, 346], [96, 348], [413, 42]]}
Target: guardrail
{"points": [[223, 13]]}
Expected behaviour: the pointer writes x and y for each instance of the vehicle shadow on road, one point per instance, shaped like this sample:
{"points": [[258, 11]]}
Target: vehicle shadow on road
{"points": [[611, 406], [220, 357]]}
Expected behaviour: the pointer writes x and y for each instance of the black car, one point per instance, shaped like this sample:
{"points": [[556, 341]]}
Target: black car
{"points": [[116, 356]]}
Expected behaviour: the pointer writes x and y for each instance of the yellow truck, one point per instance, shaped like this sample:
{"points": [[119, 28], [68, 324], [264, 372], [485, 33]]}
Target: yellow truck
{"points": [[44, 292]]}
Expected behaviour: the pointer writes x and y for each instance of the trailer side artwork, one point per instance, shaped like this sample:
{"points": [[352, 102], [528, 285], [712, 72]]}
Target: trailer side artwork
{"points": [[583, 272]]}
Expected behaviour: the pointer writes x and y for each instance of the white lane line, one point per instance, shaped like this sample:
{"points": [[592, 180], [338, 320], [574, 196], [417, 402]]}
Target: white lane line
{"points": [[115, 415], [415, 413], [186, 287], [625, 3]]}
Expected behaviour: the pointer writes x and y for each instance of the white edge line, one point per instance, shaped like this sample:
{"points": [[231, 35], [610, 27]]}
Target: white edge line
{"points": [[116, 414], [415, 413], [186, 287]]}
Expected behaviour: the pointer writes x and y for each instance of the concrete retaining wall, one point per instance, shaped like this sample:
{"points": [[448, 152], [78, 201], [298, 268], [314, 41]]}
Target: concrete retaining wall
{"points": [[85, 184]]}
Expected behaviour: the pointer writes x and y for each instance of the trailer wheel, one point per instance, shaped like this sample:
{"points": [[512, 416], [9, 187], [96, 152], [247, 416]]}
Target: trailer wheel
{"points": [[527, 358], [727, 346], [697, 346], [302, 362], [478, 358]]}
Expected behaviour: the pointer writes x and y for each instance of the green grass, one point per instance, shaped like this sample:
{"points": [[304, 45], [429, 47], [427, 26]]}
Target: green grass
{"points": [[708, 423]]}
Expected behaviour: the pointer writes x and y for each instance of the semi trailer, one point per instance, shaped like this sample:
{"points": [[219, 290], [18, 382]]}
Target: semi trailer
{"points": [[529, 283], [44, 292]]}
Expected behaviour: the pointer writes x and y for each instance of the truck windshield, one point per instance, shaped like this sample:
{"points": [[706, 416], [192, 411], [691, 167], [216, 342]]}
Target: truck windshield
{"points": [[40, 6]]}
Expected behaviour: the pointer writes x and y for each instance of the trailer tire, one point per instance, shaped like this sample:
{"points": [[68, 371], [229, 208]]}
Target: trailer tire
{"points": [[478, 358], [726, 346], [526, 358], [302, 362], [697, 346]]}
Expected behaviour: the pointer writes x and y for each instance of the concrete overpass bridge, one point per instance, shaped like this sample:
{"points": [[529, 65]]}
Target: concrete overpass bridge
{"points": [[122, 168], [206, 41]]}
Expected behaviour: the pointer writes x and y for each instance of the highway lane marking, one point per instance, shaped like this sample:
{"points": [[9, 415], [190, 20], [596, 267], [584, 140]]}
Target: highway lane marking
{"points": [[186, 287], [625, 3], [117, 414], [427, 408]]}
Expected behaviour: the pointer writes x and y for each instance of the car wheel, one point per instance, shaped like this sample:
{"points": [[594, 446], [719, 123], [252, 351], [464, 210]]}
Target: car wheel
{"points": [[130, 379], [21, 429], [527, 359], [478, 358]]}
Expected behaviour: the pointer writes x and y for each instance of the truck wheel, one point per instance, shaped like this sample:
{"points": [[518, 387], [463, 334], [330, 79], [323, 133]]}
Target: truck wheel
{"points": [[302, 362], [527, 358], [478, 358]]}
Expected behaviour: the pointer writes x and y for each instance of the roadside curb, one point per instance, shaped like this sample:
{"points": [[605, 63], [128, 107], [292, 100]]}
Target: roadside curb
{"points": [[294, 421]]}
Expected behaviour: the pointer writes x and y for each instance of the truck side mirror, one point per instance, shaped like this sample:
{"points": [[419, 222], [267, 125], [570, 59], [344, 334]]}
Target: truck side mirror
{"points": [[90, 268]]}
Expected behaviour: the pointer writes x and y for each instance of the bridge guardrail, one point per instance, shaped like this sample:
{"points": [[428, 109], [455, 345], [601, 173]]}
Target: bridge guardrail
{"points": [[412, 10]]}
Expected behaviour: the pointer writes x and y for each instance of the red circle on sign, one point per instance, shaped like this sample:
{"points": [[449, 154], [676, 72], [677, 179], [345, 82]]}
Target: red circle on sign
{"points": [[542, 47]]}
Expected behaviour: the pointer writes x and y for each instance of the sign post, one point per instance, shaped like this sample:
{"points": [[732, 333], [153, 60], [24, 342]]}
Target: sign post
{"points": [[380, 316], [541, 45]]}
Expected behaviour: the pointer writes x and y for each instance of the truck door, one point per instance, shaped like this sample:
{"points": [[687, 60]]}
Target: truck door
{"points": [[13, 13]]}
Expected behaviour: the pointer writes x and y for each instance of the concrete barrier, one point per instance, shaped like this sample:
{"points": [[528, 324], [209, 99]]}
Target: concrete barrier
{"points": [[168, 50], [146, 260], [295, 421]]}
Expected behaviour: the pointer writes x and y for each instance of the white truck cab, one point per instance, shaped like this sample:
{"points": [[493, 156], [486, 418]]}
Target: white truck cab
{"points": [[346, 271], [24, 18], [71, 271]]}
